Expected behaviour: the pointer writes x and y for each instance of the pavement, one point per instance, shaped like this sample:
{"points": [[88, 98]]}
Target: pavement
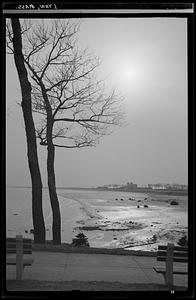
{"points": [[55, 266]]}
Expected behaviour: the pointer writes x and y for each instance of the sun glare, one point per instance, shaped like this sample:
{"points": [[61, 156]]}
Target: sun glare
{"points": [[130, 74]]}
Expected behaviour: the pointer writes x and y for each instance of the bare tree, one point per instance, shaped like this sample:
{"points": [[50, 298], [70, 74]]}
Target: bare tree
{"points": [[75, 107], [14, 39]]}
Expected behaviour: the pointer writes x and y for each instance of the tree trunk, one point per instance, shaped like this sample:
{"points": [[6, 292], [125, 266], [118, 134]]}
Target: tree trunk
{"points": [[56, 226], [37, 210]]}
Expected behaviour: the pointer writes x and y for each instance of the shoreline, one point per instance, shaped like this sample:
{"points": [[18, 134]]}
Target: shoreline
{"points": [[112, 226], [138, 190], [146, 191], [107, 221]]}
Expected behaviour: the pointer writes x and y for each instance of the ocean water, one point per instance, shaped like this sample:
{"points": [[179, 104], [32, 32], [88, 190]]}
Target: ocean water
{"points": [[19, 213], [19, 207]]}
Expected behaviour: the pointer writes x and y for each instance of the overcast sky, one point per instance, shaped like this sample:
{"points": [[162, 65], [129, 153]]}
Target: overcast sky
{"points": [[146, 60]]}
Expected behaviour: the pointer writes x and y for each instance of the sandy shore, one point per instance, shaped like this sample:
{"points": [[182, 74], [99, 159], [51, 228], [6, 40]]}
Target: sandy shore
{"points": [[110, 220], [121, 223]]}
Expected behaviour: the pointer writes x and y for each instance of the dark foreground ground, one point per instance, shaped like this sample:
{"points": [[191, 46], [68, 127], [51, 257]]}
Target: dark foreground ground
{"points": [[34, 285], [88, 271]]}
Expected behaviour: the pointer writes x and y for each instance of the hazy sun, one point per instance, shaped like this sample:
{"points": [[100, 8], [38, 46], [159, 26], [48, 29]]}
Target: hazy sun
{"points": [[128, 73], [131, 73]]}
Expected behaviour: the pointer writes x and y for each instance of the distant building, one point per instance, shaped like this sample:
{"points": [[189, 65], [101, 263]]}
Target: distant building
{"points": [[109, 186], [127, 187], [131, 185], [113, 186], [158, 186], [163, 186], [144, 186]]}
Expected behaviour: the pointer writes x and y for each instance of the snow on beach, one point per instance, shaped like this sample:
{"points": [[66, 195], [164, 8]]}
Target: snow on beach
{"points": [[108, 219]]}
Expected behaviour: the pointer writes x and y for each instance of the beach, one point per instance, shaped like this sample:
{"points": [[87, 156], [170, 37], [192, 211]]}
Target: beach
{"points": [[109, 219]]}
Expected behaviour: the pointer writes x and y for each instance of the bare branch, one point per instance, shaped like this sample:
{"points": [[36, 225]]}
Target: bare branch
{"points": [[66, 91], [9, 37]]}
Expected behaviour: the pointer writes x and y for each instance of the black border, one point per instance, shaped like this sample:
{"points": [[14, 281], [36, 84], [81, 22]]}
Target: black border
{"points": [[103, 5], [191, 149]]}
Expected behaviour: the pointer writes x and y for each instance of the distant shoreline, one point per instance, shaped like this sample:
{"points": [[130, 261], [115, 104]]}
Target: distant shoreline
{"points": [[138, 190]]}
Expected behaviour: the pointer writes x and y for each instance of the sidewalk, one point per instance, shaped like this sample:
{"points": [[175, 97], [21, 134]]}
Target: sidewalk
{"points": [[53, 266]]}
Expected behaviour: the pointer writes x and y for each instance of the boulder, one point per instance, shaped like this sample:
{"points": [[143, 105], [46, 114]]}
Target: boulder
{"points": [[173, 202]]}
